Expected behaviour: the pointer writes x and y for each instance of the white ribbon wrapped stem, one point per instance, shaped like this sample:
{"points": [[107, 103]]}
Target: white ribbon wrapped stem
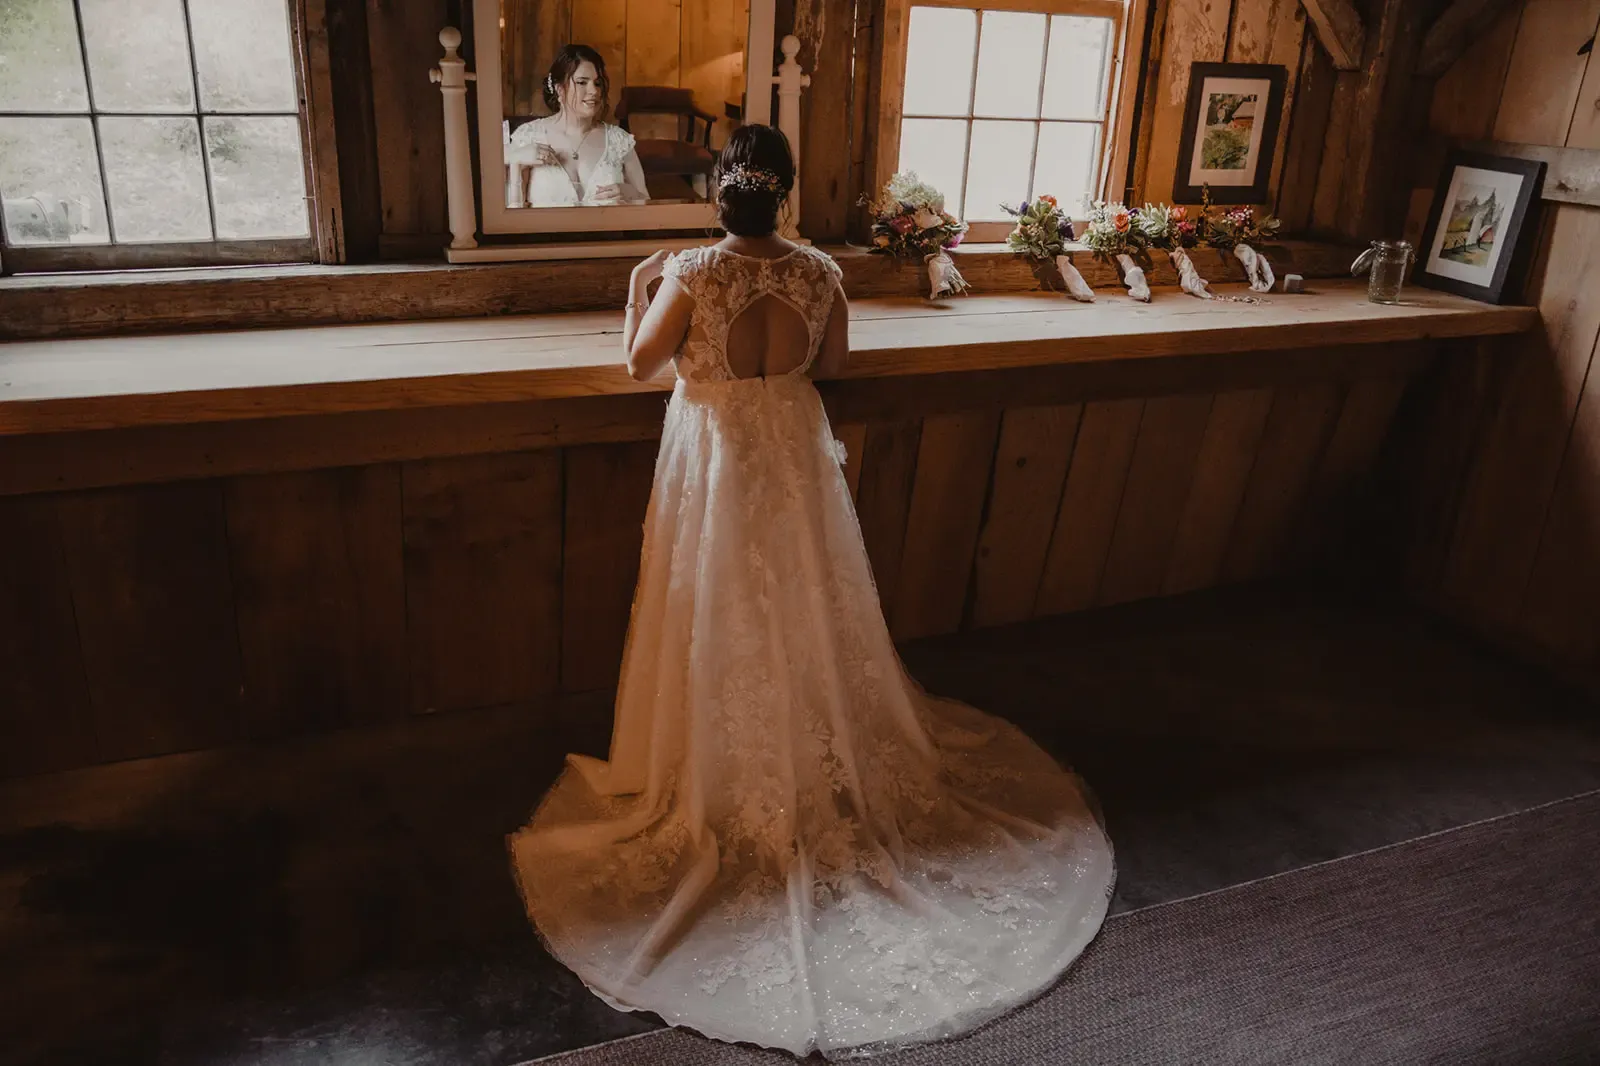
{"points": [[1256, 267], [1188, 277], [1077, 288], [943, 277], [1133, 277]]}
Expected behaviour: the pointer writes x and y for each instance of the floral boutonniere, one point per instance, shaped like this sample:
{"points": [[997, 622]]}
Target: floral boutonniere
{"points": [[1171, 230], [1238, 230], [1114, 234], [909, 220], [1042, 232]]}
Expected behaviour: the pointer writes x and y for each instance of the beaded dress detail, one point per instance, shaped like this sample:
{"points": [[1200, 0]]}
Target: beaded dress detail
{"points": [[791, 843]]}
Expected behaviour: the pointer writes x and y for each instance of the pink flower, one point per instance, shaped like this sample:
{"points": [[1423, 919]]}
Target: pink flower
{"points": [[1179, 214], [901, 224], [954, 240]]}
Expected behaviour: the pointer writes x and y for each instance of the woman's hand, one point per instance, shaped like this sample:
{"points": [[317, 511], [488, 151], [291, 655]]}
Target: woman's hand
{"points": [[607, 194], [648, 271], [545, 156]]}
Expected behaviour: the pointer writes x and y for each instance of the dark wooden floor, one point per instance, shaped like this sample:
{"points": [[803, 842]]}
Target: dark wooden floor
{"points": [[347, 899]]}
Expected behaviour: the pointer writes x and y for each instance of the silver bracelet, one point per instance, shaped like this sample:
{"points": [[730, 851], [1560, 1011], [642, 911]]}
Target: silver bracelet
{"points": [[640, 306]]}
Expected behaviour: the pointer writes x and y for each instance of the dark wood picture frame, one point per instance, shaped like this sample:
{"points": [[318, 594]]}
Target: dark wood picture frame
{"points": [[1516, 228], [1276, 78]]}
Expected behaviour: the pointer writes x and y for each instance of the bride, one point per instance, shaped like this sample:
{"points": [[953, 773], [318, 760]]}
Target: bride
{"points": [[575, 158], [791, 843]]}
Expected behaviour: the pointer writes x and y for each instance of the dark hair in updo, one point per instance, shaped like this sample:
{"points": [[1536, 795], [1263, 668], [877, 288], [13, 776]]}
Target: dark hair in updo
{"points": [[566, 63], [748, 212]]}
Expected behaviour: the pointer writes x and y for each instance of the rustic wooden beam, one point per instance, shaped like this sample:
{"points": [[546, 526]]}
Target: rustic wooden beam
{"points": [[1340, 30], [1573, 174], [1453, 32]]}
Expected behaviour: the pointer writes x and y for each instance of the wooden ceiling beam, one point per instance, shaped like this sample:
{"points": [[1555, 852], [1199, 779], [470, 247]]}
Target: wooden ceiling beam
{"points": [[1340, 30], [1454, 31]]}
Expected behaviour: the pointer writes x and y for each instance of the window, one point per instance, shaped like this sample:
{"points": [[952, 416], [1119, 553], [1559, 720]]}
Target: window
{"points": [[1002, 105], [150, 132]]}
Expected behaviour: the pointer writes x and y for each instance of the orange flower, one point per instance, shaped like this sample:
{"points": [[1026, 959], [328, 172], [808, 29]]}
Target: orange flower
{"points": [[1051, 200], [1120, 220], [1179, 214]]}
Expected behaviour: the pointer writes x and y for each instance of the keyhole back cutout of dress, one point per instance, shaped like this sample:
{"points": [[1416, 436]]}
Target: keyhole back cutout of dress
{"points": [[767, 338]]}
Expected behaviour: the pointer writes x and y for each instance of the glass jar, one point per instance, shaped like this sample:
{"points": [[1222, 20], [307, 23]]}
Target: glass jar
{"points": [[1385, 264]]}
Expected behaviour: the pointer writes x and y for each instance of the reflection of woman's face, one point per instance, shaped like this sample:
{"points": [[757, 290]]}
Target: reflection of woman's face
{"points": [[581, 93]]}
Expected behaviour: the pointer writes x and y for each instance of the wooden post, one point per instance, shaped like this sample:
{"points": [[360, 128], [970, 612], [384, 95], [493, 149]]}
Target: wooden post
{"points": [[790, 79], [451, 76]]}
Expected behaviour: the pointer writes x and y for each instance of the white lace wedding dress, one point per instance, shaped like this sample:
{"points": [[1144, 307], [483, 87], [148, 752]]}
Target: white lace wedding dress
{"points": [[791, 843]]}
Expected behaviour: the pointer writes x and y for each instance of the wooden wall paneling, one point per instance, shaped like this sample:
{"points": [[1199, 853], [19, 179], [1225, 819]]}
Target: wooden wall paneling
{"points": [[1386, 119], [1144, 122], [1272, 31], [1127, 83], [312, 52], [654, 42], [954, 458], [1196, 32], [154, 605], [1291, 446], [1154, 498], [1460, 25], [44, 701], [1090, 501], [1223, 462], [1466, 97], [824, 29], [883, 499], [1510, 490], [1337, 505], [862, 133], [1561, 608], [1546, 74], [713, 34], [603, 26], [608, 492], [854, 438], [404, 43], [1306, 136], [1030, 470], [890, 19], [483, 578], [1585, 131], [355, 128], [320, 592], [1334, 158]]}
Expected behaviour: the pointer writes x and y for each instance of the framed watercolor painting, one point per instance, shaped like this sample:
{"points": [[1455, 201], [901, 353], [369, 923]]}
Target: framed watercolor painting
{"points": [[1230, 131], [1478, 224]]}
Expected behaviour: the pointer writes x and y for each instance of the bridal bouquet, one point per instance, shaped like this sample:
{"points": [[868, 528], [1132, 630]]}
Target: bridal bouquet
{"points": [[1237, 230], [1113, 235], [909, 219], [1042, 232], [1174, 232]]}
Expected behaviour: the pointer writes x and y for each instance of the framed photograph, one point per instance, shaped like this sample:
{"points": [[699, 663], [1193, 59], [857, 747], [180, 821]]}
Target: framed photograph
{"points": [[1478, 224], [1230, 131]]}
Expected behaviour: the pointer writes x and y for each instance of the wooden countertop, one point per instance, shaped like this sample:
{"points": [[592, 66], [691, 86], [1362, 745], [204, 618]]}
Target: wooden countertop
{"points": [[102, 383]]}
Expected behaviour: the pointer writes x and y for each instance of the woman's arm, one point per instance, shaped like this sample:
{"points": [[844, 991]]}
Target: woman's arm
{"points": [[653, 330], [634, 188], [835, 351]]}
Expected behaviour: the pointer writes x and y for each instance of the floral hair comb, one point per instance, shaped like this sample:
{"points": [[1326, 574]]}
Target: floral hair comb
{"points": [[749, 179]]}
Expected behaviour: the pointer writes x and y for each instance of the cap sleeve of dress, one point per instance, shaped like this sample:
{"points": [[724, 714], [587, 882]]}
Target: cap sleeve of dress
{"points": [[621, 142], [685, 266], [829, 266]]}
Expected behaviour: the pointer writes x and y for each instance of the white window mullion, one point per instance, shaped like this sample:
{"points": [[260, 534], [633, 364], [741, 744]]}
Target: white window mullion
{"points": [[1038, 112], [972, 106]]}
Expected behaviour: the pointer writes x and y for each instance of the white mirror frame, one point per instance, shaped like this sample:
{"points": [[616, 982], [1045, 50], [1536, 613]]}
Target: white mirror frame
{"points": [[498, 219]]}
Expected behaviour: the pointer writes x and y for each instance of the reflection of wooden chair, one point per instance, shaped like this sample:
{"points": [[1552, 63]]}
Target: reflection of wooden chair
{"points": [[681, 158]]}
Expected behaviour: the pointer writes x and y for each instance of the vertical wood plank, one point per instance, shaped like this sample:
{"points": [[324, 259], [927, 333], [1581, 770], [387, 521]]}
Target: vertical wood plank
{"points": [[320, 591], [1196, 32], [654, 42], [886, 103], [954, 457], [1144, 121], [883, 500], [1226, 455], [404, 44], [1510, 489], [1466, 97], [1334, 158], [149, 572], [355, 128], [1334, 507], [1585, 131], [1030, 470], [1159, 476], [824, 28], [483, 578], [1089, 504], [44, 700], [1542, 86], [1292, 444], [603, 26], [854, 439], [1307, 134], [608, 492], [713, 55]]}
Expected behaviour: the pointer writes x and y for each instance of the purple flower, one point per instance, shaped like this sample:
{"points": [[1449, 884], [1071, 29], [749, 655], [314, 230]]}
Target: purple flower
{"points": [[901, 224], [954, 240]]}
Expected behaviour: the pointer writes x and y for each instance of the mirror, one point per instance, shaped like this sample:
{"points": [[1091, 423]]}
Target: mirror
{"points": [[607, 103]]}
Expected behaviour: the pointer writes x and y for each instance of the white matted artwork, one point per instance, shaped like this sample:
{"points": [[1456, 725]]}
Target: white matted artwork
{"points": [[1230, 132], [1478, 225]]}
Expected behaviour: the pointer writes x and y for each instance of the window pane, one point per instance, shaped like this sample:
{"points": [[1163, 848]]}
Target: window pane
{"points": [[50, 182], [1068, 152], [156, 178], [41, 66], [933, 147], [256, 177], [1076, 75], [1010, 54], [242, 54], [138, 55], [997, 169], [939, 61]]}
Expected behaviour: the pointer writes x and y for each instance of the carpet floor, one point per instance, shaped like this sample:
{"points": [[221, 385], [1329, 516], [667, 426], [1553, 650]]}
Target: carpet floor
{"points": [[1474, 945]]}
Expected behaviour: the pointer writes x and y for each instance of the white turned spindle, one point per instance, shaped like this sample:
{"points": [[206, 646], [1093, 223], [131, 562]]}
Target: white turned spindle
{"points": [[790, 80], [451, 76]]}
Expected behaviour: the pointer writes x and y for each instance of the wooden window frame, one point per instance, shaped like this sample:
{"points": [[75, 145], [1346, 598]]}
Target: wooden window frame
{"points": [[314, 110], [1127, 38]]}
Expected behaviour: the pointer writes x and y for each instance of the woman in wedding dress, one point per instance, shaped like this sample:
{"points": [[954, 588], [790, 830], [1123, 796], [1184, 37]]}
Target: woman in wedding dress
{"points": [[575, 158], [791, 844]]}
